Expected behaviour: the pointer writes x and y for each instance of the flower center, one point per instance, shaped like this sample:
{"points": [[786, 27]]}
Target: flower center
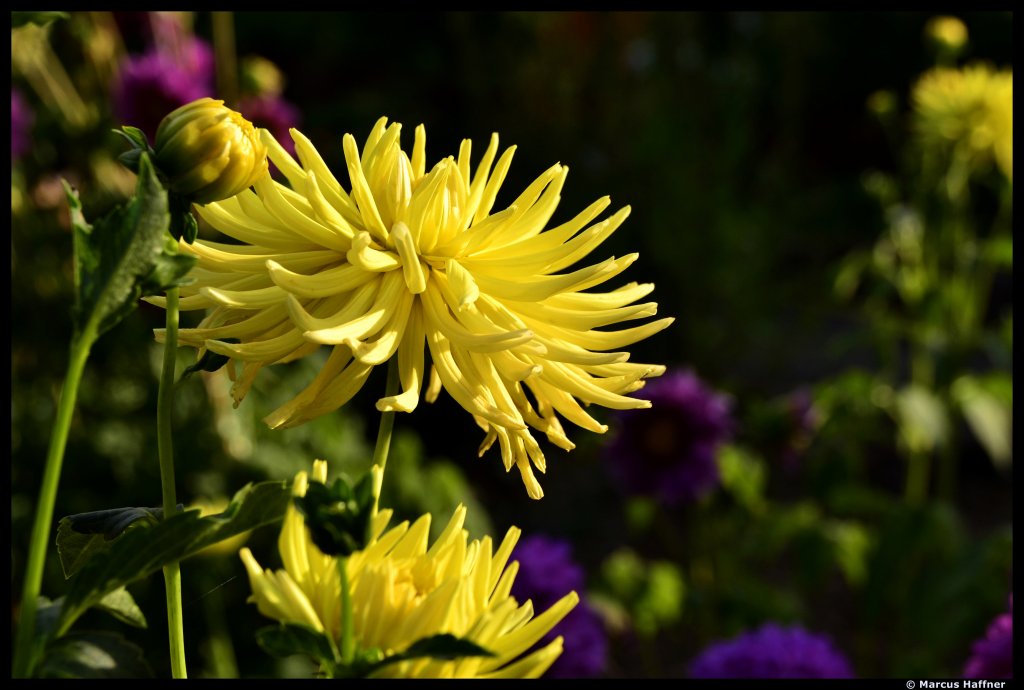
{"points": [[412, 269]]}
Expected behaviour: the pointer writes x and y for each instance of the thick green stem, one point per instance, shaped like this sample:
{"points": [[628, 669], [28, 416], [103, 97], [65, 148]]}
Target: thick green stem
{"points": [[172, 572], [47, 498], [387, 423], [348, 633]]}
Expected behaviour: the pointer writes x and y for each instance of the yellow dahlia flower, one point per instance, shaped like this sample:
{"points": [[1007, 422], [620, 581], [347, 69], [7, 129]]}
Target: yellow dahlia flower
{"points": [[208, 151], [403, 591], [408, 257], [970, 108]]}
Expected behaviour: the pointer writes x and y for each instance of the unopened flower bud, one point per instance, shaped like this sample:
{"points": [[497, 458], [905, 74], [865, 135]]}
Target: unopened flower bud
{"points": [[261, 77], [882, 104], [208, 151]]}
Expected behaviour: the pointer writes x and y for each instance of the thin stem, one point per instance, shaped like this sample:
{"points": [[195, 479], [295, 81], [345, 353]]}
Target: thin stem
{"points": [[387, 423], [224, 49], [918, 471], [348, 635], [172, 572], [47, 498]]}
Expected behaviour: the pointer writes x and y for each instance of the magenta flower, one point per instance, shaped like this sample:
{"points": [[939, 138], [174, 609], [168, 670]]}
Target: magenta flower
{"points": [[155, 83], [21, 126], [669, 450], [992, 655], [772, 651], [547, 572], [274, 114]]}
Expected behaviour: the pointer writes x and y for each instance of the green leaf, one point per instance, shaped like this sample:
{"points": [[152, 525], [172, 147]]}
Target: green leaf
{"points": [[122, 606], [145, 549], [169, 271], [290, 638], [37, 18], [210, 361], [851, 544], [999, 250], [93, 655], [122, 257], [662, 602], [82, 535], [135, 136], [444, 646], [338, 516], [921, 417], [743, 476], [987, 405]]}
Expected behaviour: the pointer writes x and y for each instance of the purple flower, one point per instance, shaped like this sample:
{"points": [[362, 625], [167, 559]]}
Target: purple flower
{"points": [[992, 655], [155, 83], [669, 450], [546, 574], [21, 126], [772, 652], [274, 114]]}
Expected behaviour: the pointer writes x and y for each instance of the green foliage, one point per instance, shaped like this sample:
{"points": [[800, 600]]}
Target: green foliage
{"points": [[338, 516], [93, 655], [743, 476], [921, 417], [210, 361], [81, 536], [415, 485], [914, 545], [987, 405], [123, 256], [122, 606], [38, 18], [651, 593], [144, 549], [288, 639]]}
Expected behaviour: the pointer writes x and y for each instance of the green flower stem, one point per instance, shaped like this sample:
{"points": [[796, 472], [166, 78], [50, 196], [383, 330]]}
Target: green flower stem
{"points": [[918, 471], [80, 347], [348, 633], [387, 423], [224, 49], [172, 572]]}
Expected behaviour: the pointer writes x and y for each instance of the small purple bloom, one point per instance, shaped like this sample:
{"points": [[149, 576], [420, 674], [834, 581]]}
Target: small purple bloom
{"points": [[546, 574], [274, 114], [772, 651], [992, 655], [668, 451], [155, 83], [21, 126]]}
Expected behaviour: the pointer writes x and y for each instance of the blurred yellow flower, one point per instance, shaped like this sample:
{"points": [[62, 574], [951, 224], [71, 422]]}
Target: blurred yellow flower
{"points": [[208, 151], [411, 257], [403, 591], [948, 33], [970, 109]]}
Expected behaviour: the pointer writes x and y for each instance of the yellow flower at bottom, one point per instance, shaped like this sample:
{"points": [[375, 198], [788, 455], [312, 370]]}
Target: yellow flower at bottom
{"points": [[403, 591]]}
